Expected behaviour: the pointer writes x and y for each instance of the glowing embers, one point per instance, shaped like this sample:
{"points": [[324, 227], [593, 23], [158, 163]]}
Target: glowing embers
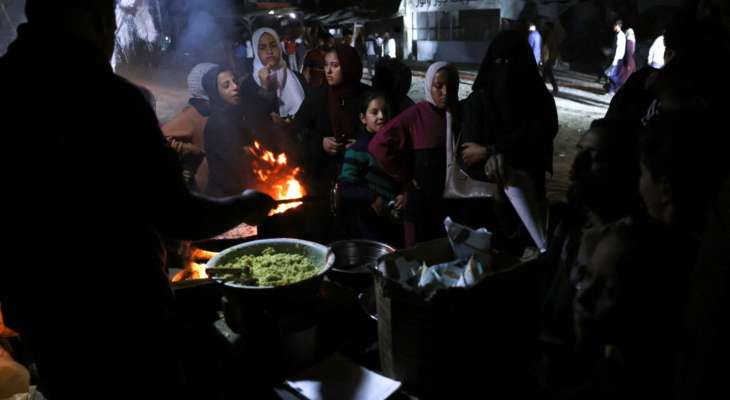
{"points": [[275, 177]]}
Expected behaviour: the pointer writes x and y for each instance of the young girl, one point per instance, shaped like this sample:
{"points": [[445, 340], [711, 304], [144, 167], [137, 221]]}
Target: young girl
{"points": [[329, 124], [367, 192], [412, 150]]}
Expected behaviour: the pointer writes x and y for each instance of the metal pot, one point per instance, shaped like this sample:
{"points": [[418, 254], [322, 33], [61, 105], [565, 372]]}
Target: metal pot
{"points": [[354, 261], [247, 305]]}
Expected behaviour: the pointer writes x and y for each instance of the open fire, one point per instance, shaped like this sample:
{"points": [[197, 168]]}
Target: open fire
{"points": [[275, 177], [5, 332], [195, 266]]}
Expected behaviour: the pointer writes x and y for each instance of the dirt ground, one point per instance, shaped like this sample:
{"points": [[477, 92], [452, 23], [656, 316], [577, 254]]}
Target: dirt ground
{"points": [[579, 101]]}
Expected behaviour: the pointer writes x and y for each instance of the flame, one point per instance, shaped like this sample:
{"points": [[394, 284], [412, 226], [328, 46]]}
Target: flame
{"points": [[4, 330], [275, 177], [202, 255], [192, 271]]}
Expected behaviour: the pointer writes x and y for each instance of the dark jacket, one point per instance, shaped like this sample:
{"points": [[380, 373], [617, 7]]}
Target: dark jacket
{"points": [[96, 293], [258, 105], [511, 109], [526, 143], [313, 123]]}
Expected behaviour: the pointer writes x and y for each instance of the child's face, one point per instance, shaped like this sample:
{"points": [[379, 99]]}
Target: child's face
{"points": [[375, 116]]}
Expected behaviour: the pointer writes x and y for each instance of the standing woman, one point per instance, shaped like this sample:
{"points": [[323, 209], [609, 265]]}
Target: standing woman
{"points": [[274, 93], [510, 120], [412, 149], [329, 122], [627, 66], [225, 135]]}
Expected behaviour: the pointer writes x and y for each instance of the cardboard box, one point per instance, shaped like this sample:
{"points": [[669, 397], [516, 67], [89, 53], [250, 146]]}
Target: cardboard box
{"points": [[461, 342]]}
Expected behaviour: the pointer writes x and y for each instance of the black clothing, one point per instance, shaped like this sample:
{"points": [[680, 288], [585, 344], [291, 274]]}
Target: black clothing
{"points": [[549, 75], [224, 141], [525, 142], [393, 78], [258, 105], [632, 101], [313, 123], [511, 109], [92, 301], [201, 105]]}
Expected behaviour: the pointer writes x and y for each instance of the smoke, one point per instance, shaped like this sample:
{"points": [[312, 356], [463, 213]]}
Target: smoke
{"points": [[12, 14], [200, 29]]}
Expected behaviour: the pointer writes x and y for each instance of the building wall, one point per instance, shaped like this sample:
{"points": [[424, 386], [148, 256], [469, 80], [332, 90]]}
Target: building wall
{"points": [[454, 30], [453, 51]]}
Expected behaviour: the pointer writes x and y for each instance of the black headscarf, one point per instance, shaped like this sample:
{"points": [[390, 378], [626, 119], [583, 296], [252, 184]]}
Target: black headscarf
{"points": [[210, 84], [342, 116], [509, 74]]}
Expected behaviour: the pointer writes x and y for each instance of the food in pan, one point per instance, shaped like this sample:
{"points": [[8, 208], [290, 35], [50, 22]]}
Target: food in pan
{"points": [[270, 268]]}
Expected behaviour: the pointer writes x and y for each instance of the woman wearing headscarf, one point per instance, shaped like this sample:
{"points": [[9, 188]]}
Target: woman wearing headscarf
{"points": [[411, 148], [329, 121], [510, 119], [225, 135], [509, 123], [627, 66], [274, 93], [313, 68], [393, 78], [184, 131]]}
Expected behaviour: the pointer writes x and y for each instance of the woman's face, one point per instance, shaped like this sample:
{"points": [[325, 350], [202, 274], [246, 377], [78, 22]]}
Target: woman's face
{"points": [[228, 88], [440, 89], [332, 69], [269, 51], [375, 116]]}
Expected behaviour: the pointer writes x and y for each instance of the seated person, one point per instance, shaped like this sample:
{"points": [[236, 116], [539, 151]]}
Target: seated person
{"points": [[630, 301], [185, 130], [603, 189]]}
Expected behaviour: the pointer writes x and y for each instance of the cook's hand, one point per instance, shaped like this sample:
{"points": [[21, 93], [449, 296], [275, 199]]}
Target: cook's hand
{"points": [[259, 204], [473, 153], [400, 201], [496, 170], [349, 143], [332, 146], [380, 206]]}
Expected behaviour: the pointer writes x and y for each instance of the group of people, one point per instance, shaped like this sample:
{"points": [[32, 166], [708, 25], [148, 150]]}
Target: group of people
{"points": [[627, 263], [382, 155], [623, 63], [636, 249]]}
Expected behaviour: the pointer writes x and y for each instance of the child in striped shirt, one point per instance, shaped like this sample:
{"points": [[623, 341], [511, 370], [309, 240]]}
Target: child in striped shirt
{"points": [[369, 195]]}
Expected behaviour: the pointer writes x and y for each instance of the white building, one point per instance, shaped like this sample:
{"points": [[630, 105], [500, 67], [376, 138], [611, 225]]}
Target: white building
{"points": [[454, 30]]}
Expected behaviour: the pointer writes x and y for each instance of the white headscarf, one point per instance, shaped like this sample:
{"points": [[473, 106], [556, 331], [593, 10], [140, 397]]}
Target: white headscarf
{"points": [[195, 80], [630, 35], [430, 76], [290, 90]]}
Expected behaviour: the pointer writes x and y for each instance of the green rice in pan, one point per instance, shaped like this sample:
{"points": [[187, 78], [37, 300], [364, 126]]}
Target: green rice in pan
{"points": [[271, 269]]}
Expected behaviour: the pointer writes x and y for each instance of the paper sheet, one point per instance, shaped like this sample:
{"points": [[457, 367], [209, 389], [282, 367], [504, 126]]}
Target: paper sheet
{"points": [[532, 214], [337, 378]]}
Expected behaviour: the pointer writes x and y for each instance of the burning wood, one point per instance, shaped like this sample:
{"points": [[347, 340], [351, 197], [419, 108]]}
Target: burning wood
{"points": [[275, 177], [192, 271]]}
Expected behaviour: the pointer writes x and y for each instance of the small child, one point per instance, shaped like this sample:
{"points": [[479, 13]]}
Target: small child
{"points": [[370, 198]]}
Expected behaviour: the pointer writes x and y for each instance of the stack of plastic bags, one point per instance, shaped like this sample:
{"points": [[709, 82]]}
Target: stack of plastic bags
{"points": [[472, 261]]}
